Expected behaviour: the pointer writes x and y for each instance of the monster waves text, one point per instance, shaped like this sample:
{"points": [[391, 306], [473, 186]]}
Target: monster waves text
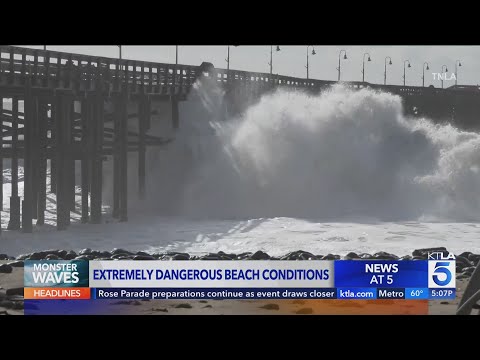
{"points": [[210, 274]]}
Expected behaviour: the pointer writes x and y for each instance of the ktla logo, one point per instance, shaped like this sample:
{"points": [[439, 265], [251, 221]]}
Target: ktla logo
{"points": [[441, 273]]}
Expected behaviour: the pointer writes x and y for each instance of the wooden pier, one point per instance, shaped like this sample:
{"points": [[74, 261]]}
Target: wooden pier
{"points": [[65, 120]]}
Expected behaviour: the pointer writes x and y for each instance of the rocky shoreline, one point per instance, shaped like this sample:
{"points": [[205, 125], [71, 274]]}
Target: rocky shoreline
{"points": [[465, 262], [12, 298]]}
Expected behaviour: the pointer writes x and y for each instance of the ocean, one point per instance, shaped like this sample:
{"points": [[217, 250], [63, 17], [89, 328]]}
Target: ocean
{"points": [[332, 173]]}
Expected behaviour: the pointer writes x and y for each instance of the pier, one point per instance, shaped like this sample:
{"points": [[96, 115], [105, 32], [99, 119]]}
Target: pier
{"points": [[69, 114]]}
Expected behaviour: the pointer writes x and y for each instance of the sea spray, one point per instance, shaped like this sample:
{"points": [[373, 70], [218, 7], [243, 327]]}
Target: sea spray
{"points": [[342, 153]]}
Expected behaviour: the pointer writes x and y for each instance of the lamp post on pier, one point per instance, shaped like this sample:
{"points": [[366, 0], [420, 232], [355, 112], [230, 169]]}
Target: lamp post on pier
{"points": [[339, 62], [404, 73], [456, 70], [271, 58], [423, 72], [385, 72], [313, 53], [363, 67], [443, 72]]}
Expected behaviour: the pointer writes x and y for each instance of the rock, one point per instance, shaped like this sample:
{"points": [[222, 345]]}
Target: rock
{"points": [[3, 257], [382, 255], [444, 303], [62, 253], [211, 256], [95, 254], [465, 254], [206, 306], [86, 251], [351, 255], [419, 258], [40, 255], [304, 255], [244, 255], [70, 255], [307, 256], [17, 305], [52, 257], [330, 257], [122, 302], [474, 258], [143, 257], [7, 304], [116, 251], [366, 256], [270, 307], [22, 257], [158, 309], [181, 256], [424, 252], [203, 301], [260, 255], [183, 306], [469, 270], [304, 311], [462, 261], [17, 264], [142, 253], [124, 257], [227, 256], [105, 255], [298, 255], [56, 252], [5, 269], [84, 257], [406, 257], [15, 291]]}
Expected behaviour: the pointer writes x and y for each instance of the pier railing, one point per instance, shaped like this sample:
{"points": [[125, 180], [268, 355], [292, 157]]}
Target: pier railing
{"points": [[77, 72]]}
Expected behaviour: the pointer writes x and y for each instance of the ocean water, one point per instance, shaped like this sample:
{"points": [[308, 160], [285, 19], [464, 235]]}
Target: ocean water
{"points": [[338, 172]]}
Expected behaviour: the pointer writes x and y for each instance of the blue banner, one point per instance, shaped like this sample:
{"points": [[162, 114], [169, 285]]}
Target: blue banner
{"points": [[442, 294], [213, 293], [416, 293], [390, 293], [357, 293], [381, 274]]}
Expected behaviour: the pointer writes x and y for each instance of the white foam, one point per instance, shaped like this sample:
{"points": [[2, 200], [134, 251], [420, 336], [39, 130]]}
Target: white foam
{"points": [[342, 171]]}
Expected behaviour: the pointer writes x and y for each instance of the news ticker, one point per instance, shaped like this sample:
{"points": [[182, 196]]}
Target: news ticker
{"points": [[432, 279]]}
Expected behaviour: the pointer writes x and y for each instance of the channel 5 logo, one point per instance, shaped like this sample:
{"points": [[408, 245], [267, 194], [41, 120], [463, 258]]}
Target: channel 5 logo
{"points": [[441, 270]]}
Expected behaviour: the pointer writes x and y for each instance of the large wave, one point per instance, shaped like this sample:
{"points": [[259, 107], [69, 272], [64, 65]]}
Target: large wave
{"points": [[343, 153]]}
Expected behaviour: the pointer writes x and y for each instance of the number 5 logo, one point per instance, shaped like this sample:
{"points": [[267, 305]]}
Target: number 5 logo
{"points": [[442, 268]]}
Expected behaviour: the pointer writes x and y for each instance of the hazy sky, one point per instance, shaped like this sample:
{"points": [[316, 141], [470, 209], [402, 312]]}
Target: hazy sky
{"points": [[291, 60]]}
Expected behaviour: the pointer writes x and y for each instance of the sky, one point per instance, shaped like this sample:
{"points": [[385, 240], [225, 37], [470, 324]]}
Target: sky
{"points": [[291, 60]]}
